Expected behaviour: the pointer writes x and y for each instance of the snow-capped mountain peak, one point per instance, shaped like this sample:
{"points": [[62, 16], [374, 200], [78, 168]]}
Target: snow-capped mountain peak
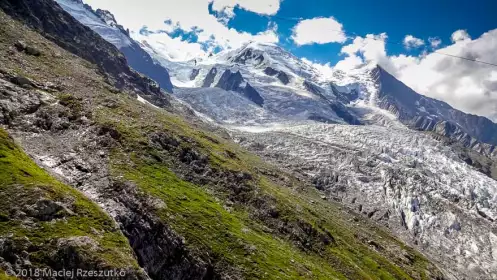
{"points": [[104, 23], [107, 17], [84, 14]]}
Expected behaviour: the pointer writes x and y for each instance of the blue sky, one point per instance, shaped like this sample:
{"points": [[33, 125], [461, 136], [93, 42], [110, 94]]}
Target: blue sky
{"points": [[423, 19]]}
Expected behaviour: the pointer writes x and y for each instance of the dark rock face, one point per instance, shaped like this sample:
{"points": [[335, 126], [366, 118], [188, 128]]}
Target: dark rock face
{"points": [[194, 74], [46, 17], [340, 110], [270, 71], [312, 88], [158, 248], [253, 95], [141, 61], [428, 114], [233, 82], [343, 113], [209, 79], [230, 80], [249, 54], [109, 18], [343, 97], [282, 76]]}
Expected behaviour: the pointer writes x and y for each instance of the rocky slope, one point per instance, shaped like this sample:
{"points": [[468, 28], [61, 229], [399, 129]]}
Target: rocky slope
{"points": [[192, 204], [47, 225]]}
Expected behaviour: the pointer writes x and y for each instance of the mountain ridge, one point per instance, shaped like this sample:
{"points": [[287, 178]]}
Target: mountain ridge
{"points": [[435, 115], [116, 34]]}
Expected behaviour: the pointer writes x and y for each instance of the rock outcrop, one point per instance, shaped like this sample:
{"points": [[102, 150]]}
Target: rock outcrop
{"points": [[282, 76], [233, 81]]}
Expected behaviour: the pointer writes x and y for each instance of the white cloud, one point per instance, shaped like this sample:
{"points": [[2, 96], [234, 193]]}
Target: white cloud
{"points": [[349, 63], [466, 85], [411, 42], [435, 42], [363, 50], [265, 7], [173, 49], [318, 30], [190, 16], [325, 70], [460, 35]]}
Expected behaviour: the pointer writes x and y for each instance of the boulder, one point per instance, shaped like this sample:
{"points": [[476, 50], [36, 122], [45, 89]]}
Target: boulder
{"points": [[20, 46], [30, 50], [22, 81]]}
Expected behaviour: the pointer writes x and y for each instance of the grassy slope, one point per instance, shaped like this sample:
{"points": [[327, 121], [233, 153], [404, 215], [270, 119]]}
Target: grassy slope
{"points": [[197, 212], [5, 276], [23, 183], [228, 235]]}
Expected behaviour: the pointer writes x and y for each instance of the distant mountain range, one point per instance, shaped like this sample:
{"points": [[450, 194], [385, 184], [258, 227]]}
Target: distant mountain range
{"points": [[412, 109]]}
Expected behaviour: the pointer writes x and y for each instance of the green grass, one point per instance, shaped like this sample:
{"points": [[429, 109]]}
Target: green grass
{"points": [[23, 183], [4, 276], [235, 237], [228, 237]]}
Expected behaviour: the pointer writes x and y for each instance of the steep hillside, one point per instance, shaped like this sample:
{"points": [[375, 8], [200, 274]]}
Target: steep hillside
{"points": [[47, 225], [193, 205], [65, 31]]}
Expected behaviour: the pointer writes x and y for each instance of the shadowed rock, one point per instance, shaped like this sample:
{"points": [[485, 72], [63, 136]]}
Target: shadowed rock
{"points": [[209, 79], [234, 82]]}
